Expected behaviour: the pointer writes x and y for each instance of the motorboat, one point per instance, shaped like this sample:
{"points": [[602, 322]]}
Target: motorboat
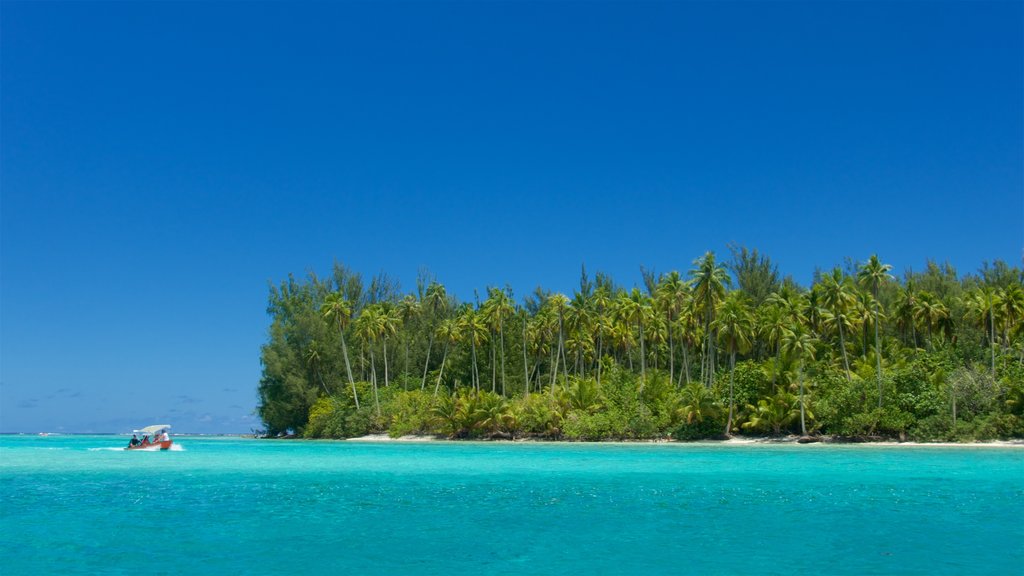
{"points": [[151, 438]]}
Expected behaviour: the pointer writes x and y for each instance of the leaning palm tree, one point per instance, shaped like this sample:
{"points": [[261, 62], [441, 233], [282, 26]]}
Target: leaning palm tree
{"points": [[708, 280], [799, 345], [871, 275], [734, 326], [338, 309]]}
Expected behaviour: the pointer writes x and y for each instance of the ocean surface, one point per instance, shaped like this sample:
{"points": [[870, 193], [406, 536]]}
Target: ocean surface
{"points": [[80, 505]]}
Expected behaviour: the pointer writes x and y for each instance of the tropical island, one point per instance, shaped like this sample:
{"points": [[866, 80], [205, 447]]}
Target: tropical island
{"points": [[728, 349]]}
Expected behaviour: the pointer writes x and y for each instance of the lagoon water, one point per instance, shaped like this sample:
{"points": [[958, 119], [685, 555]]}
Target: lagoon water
{"points": [[79, 505]]}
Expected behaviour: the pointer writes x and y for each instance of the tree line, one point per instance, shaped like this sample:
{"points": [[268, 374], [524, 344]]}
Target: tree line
{"points": [[728, 348]]}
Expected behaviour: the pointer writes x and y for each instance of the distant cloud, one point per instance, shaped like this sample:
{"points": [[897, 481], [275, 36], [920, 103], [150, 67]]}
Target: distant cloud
{"points": [[187, 399], [229, 389], [28, 404]]}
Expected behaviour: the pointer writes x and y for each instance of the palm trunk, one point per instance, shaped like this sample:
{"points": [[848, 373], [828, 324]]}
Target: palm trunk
{"points": [[992, 339], [842, 346], [732, 371], [373, 379], [671, 353], [426, 365], [476, 373], [526, 364], [348, 369], [441, 372], [878, 358], [800, 376], [385, 341], [501, 332], [643, 352], [494, 367]]}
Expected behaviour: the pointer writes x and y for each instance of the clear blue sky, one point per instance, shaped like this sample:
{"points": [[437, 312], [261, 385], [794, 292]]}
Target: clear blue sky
{"points": [[163, 161]]}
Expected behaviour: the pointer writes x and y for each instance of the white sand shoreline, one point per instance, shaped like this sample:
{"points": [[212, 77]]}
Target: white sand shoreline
{"points": [[736, 441]]}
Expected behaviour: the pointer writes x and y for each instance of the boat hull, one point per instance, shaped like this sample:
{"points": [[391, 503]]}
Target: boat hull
{"points": [[155, 446]]}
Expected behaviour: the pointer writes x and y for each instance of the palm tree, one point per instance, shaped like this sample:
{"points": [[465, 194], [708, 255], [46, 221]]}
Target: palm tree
{"points": [[930, 311], [872, 275], [557, 303], [601, 301], [497, 309], [905, 310], [473, 328], [735, 330], [577, 322], [983, 303], [447, 332], [800, 345], [313, 360], [436, 300], [337, 308], [408, 309], [838, 300], [368, 330], [670, 296], [708, 280], [388, 327]]}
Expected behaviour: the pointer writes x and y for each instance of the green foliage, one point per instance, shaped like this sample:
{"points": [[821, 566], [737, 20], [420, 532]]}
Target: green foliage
{"points": [[861, 353]]}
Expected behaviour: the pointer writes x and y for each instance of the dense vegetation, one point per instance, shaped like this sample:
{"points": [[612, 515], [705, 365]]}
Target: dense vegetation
{"points": [[727, 349]]}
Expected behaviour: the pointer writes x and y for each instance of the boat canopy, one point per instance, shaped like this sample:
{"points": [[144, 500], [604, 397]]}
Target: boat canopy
{"points": [[154, 429]]}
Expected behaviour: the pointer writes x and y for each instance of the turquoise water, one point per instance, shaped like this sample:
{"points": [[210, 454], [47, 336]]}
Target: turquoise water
{"points": [[74, 505]]}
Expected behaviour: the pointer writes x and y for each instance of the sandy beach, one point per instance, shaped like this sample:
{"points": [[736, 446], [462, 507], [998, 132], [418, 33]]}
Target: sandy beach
{"points": [[735, 441]]}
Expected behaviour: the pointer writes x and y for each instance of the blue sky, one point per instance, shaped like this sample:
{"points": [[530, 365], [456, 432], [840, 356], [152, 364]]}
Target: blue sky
{"points": [[163, 161]]}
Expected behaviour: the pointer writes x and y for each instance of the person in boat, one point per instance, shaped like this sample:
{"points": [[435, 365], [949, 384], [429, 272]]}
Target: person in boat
{"points": [[134, 441], [145, 440], [162, 436]]}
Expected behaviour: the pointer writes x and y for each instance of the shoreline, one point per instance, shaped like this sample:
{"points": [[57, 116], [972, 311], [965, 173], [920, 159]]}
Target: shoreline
{"points": [[742, 441]]}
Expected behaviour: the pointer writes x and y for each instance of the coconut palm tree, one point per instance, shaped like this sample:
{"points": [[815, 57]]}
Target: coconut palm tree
{"points": [[577, 325], [337, 309], [708, 280], [496, 310], [601, 301], [931, 312], [905, 310], [872, 275], [557, 303], [670, 298], [799, 345], [983, 304], [473, 328], [734, 326], [408, 310], [387, 326], [449, 334], [436, 301], [837, 297], [367, 327]]}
